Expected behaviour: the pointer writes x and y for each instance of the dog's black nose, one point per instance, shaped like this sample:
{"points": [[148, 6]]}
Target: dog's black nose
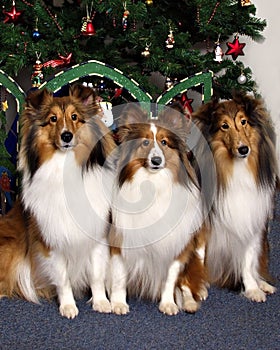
{"points": [[66, 136], [243, 150], [156, 160]]}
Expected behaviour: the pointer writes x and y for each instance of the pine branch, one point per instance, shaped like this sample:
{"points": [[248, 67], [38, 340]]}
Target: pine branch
{"points": [[196, 25]]}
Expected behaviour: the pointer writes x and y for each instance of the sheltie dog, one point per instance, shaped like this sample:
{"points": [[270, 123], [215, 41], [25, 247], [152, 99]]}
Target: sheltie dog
{"points": [[156, 215], [241, 138], [62, 218]]}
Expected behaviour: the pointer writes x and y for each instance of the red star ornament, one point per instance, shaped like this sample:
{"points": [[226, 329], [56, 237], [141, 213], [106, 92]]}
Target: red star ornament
{"points": [[187, 104], [13, 15], [235, 48]]}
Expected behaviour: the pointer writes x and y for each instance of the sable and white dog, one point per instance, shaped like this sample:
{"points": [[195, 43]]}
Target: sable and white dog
{"points": [[156, 214], [62, 228], [241, 138]]}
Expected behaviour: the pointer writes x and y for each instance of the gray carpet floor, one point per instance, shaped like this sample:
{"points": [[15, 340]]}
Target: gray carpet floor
{"points": [[226, 320]]}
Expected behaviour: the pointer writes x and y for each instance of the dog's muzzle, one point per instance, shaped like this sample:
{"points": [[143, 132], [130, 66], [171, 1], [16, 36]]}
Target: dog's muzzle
{"points": [[156, 161], [66, 138], [243, 151]]}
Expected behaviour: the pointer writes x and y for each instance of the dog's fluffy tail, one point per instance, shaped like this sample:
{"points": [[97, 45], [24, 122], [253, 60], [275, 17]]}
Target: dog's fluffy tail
{"points": [[15, 265]]}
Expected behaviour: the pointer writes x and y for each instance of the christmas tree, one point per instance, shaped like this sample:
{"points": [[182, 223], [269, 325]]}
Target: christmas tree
{"points": [[175, 39]]}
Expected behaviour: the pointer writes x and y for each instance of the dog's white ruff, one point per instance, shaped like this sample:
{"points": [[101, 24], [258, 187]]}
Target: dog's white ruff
{"points": [[157, 218], [71, 209], [240, 217]]}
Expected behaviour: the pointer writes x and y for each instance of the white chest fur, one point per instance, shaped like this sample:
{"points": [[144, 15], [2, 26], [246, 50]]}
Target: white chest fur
{"points": [[157, 218], [238, 222], [151, 209], [244, 207], [70, 207]]}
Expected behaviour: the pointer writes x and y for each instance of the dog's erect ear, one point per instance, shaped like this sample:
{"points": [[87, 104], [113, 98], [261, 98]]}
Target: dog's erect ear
{"points": [[83, 93], [254, 108], [174, 117], [249, 103], [205, 112], [132, 114], [259, 116], [37, 98]]}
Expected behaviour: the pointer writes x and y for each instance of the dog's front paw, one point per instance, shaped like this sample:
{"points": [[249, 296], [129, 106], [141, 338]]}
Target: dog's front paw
{"points": [[103, 306], [190, 305], [203, 293], [69, 310], [120, 308], [267, 288], [256, 295], [168, 308]]}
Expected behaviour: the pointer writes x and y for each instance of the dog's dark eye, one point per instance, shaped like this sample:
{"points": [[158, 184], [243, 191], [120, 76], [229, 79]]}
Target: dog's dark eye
{"points": [[243, 122], [164, 142], [53, 118], [225, 126], [146, 143], [74, 117]]}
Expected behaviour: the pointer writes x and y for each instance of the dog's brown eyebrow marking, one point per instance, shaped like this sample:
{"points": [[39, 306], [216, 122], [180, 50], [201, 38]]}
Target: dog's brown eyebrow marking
{"points": [[45, 124], [62, 106]]}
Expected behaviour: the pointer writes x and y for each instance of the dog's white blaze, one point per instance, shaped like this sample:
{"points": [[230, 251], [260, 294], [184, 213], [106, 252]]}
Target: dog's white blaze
{"points": [[156, 150], [156, 146], [64, 128], [154, 130]]}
